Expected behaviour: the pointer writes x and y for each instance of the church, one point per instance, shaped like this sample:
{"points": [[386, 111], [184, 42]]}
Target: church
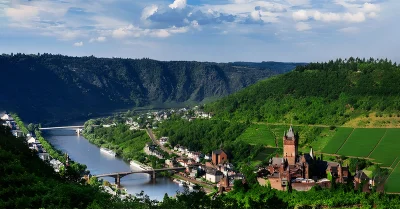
{"points": [[300, 172]]}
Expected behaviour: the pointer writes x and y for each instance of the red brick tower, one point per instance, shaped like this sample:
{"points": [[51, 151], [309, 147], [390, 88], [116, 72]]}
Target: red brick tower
{"points": [[290, 146]]}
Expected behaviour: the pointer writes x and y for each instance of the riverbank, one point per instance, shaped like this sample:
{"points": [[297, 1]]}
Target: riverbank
{"points": [[207, 188]]}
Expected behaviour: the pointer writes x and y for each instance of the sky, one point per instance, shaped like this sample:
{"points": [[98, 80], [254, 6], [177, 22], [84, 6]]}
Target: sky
{"points": [[203, 30]]}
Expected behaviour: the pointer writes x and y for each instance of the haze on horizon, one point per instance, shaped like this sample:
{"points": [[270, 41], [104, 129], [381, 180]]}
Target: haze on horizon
{"points": [[203, 30]]}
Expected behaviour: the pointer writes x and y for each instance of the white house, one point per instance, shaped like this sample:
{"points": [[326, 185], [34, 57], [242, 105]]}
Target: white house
{"points": [[163, 140], [214, 175], [7, 117], [17, 133], [31, 140], [44, 156], [56, 164]]}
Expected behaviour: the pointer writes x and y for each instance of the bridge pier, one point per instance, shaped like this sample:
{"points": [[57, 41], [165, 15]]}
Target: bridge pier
{"points": [[153, 176], [118, 180]]}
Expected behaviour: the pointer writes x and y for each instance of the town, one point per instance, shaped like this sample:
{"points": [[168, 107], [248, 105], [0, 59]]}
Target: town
{"points": [[290, 170]]}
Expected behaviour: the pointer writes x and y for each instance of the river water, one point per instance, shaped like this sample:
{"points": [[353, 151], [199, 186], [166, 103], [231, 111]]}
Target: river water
{"points": [[81, 150]]}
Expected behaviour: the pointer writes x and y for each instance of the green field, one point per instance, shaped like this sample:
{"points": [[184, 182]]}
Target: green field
{"points": [[337, 140], [258, 134], [361, 142], [278, 130], [388, 149], [393, 182], [265, 154]]}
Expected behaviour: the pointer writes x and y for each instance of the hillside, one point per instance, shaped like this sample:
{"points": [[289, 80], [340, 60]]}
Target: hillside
{"points": [[331, 93], [48, 88]]}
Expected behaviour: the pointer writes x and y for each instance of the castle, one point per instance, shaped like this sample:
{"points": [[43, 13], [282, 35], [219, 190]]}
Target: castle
{"points": [[300, 172]]}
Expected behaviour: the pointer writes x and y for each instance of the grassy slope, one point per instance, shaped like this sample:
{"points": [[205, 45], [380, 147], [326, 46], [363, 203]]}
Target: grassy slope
{"points": [[258, 134]]}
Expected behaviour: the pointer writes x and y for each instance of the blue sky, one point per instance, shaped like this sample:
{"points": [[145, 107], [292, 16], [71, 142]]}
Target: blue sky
{"points": [[203, 30]]}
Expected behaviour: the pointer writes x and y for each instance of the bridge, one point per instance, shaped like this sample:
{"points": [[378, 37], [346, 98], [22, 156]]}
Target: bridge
{"points": [[78, 129], [62, 127], [117, 176]]}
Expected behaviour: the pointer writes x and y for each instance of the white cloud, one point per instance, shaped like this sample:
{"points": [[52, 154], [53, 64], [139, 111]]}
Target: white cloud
{"points": [[255, 15], [162, 33], [300, 15], [149, 11], [98, 39], [368, 7], [357, 17], [326, 17], [372, 15], [298, 2], [349, 30], [178, 4], [302, 26], [22, 12], [134, 31], [78, 44]]}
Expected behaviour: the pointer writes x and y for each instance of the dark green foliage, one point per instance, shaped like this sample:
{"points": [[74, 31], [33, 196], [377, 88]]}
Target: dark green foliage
{"points": [[201, 135], [28, 182], [59, 87], [319, 93], [126, 143]]}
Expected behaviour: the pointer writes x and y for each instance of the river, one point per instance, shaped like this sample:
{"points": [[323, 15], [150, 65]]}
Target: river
{"points": [[81, 150]]}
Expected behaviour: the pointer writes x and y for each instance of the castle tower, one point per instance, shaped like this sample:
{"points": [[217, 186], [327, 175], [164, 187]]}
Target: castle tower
{"points": [[290, 146]]}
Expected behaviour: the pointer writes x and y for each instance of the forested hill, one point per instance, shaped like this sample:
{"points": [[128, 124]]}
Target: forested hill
{"points": [[319, 93], [52, 87]]}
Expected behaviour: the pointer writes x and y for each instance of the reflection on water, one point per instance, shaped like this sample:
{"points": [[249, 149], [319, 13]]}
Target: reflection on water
{"points": [[80, 150]]}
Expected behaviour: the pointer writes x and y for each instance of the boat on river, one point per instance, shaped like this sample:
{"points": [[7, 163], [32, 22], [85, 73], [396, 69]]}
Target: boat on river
{"points": [[108, 151]]}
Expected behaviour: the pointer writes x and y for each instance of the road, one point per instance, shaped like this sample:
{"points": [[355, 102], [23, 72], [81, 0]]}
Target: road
{"points": [[155, 141]]}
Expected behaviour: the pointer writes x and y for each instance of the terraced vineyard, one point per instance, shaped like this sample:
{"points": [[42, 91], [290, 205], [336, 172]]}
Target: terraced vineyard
{"points": [[258, 134], [393, 182], [361, 142], [337, 141], [388, 149]]}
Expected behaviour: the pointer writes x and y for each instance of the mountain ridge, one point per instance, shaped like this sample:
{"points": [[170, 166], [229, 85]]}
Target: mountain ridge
{"points": [[48, 88]]}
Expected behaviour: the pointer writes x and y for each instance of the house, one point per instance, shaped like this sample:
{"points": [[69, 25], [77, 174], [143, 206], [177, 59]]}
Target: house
{"points": [[193, 173], [337, 171], [17, 133], [44, 156], [219, 157], [185, 161], [31, 140], [362, 181], [214, 175], [56, 164], [163, 140], [7, 117], [207, 157]]}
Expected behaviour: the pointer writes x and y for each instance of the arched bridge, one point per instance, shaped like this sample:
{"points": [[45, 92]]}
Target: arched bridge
{"points": [[117, 176]]}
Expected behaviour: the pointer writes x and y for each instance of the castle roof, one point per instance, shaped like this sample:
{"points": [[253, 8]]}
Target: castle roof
{"points": [[218, 152], [290, 133]]}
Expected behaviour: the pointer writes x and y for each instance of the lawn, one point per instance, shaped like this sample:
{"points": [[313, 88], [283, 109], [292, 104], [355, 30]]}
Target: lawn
{"points": [[388, 149], [337, 140], [361, 142], [393, 183], [258, 134]]}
